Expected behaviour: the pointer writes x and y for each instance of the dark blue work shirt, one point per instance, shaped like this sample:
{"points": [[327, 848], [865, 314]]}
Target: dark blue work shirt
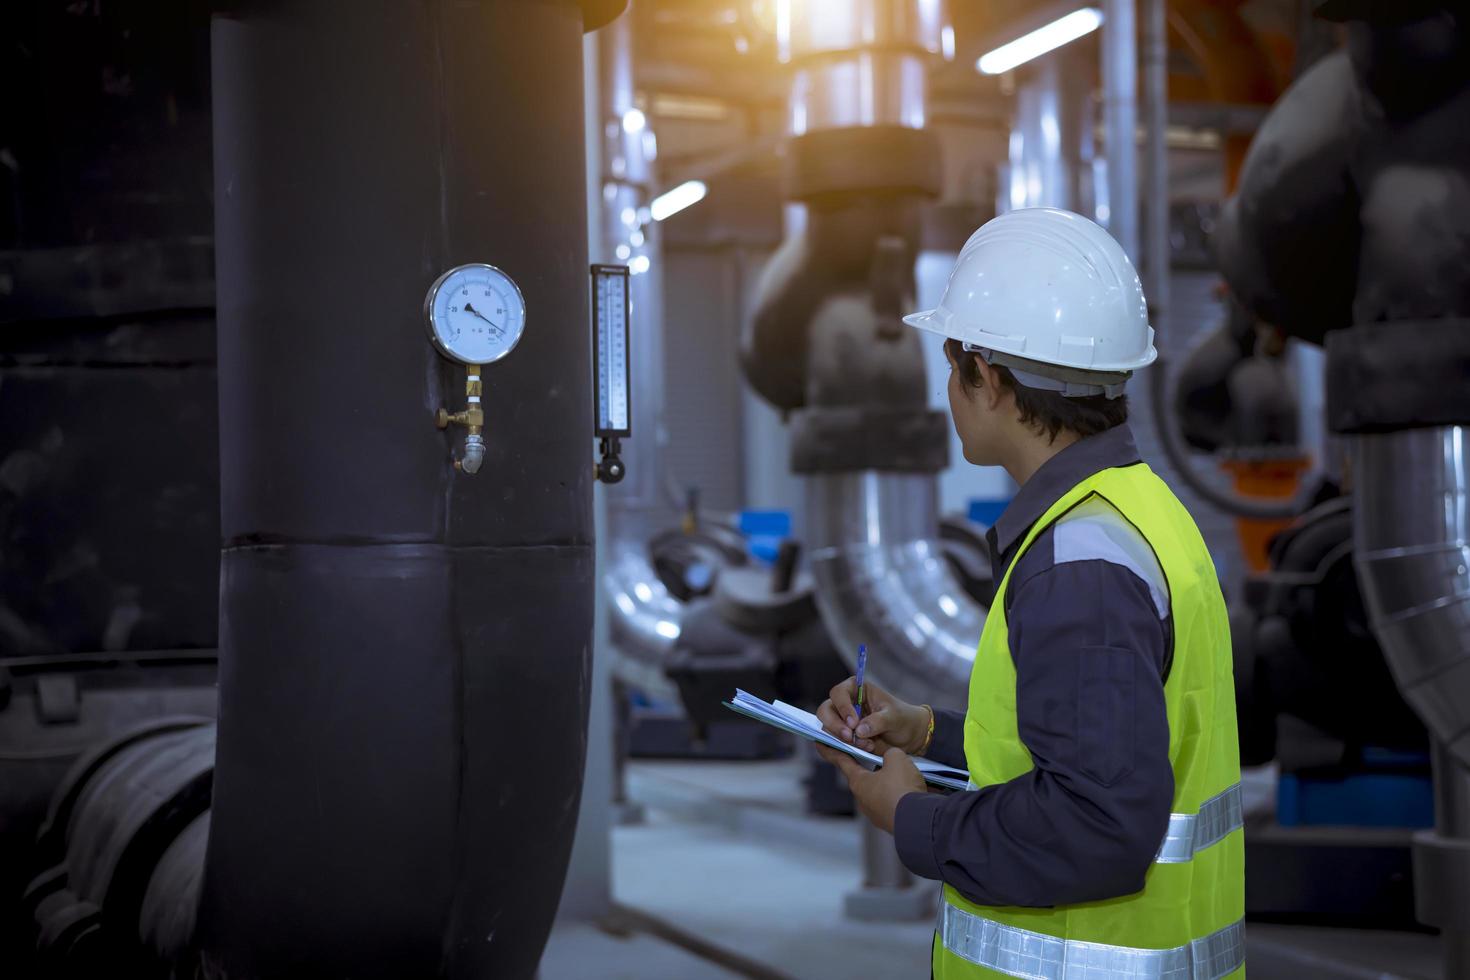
{"points": [[1089, 632]]}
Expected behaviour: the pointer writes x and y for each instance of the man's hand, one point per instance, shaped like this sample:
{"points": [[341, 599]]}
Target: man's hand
{"points": [[877, 793], [887, 723]]}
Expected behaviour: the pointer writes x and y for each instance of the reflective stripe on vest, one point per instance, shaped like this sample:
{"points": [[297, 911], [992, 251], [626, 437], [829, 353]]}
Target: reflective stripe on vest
{"points": [[1020, 952], [1190, 833]]}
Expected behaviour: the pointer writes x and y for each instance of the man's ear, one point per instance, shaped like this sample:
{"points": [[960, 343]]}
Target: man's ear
{"points": [[990, 386]]}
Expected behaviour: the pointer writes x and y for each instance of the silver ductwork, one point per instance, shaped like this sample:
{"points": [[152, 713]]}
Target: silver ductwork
{"points": [[872, 527], [882, 580], [862, 64], [644, 619], [1412, 536]]}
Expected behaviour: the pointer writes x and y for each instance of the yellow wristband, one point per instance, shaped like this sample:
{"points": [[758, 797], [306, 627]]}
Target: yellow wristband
{"points": [[929, 737]]}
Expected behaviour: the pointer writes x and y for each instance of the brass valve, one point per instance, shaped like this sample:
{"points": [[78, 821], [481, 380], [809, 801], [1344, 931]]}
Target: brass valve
{"points": [[473, 418]]}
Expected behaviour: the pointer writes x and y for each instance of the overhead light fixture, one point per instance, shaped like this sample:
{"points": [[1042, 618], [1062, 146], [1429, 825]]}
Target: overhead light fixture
{"points": [[676, 200], [1063, 30]]}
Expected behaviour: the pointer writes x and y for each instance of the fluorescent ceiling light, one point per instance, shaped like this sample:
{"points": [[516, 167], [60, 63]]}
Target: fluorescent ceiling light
{"points": [[1059, 32], [676, 200]]}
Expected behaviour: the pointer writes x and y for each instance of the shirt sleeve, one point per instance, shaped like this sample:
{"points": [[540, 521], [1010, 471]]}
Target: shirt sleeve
{"points": [[1086, 822], [948, 746]]}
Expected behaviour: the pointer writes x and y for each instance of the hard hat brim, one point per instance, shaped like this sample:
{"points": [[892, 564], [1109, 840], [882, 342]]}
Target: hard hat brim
{"points": [[933, 321], [937, 321]]}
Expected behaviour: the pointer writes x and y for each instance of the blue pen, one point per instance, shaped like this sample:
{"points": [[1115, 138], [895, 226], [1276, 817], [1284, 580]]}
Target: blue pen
{"points": [[862, 666]]}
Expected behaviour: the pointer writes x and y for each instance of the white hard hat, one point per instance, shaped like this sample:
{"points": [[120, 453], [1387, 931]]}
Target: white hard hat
{"points": [[1047, 288]]}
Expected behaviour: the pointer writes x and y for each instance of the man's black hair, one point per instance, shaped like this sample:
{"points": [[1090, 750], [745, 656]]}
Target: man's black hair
{"points": [[1050, 412]]}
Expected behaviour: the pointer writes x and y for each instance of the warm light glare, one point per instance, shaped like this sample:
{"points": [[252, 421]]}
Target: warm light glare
{"points": [[1059, 32], [676, 200]]}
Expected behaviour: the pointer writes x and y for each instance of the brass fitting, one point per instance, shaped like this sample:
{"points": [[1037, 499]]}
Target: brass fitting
{"points": [[473, 418]]}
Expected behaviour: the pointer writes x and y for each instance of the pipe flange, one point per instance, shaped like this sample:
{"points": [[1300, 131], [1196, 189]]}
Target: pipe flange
{"points": [[854, 438], [744, 599], [832, 163], [1442, 881], [1405, 374]]}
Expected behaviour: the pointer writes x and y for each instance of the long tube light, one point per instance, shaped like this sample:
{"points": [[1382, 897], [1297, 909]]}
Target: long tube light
{"points": [[1063, 30], [676, 200]]}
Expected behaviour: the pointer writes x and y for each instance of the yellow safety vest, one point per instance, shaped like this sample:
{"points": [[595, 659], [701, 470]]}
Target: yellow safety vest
{"points": [[1186, 923]]}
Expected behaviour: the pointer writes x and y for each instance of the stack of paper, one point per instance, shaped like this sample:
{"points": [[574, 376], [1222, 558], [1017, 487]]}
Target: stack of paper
{"points": [[805, 724]]}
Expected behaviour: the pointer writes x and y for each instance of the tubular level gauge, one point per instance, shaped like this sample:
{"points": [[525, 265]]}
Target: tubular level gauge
{"points": [[476, 314], [612, 310]]}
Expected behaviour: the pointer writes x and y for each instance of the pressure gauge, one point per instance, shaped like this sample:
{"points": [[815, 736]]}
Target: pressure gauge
{"points": [[611, 311], [476, 314]]}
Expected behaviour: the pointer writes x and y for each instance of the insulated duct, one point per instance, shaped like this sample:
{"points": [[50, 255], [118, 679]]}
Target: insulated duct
{"points": [[1412, 530], [882, 579], [385, 620], [644, 619], [826, 341]]}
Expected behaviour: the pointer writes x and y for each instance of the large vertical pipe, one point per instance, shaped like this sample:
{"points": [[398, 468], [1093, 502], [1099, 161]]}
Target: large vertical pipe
{"points": [[631, 237], [645, 618], [404, 649], [1051, 134], [1120, 96], [587, 896], [1155, 121]]}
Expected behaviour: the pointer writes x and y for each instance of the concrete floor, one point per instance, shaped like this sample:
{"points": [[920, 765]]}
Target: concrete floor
{"points": [[726, 876], [577, 951]]}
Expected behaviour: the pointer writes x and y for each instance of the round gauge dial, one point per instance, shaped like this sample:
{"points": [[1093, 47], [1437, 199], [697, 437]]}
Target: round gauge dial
{"points": [[476, 314]]}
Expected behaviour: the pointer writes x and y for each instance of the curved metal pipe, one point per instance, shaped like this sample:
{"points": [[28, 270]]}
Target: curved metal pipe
{"points": [[1411, 527], [644, 619], [1170, 440], [882, 580]]}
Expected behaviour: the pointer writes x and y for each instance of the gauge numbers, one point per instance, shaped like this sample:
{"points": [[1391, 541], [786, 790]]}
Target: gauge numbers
{"points": [[476, 314]]}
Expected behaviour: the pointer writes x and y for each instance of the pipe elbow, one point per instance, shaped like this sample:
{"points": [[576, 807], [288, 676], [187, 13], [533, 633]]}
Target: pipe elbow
{"points": [[474, 454], [882, 580], [1411, 529]]}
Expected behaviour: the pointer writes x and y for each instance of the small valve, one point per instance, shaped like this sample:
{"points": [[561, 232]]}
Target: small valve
{"points": [[610, 468], [472, 418]]}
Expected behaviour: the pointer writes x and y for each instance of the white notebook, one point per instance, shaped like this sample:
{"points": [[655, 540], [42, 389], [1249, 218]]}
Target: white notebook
{"points": [[805, 724]]}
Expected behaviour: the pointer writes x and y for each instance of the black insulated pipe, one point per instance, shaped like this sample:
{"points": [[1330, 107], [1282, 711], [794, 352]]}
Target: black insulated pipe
{"points": [[405, 650]]}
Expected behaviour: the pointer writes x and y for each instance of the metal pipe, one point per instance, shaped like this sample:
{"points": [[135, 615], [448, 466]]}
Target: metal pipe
{"points": [[644, 620], [1442, 863], [858, 64], [1156, 120], [1120, 95], [1156, 275], [1411, 525], [882, 580], [1051, 135], [631, 237], [1411, 536]]}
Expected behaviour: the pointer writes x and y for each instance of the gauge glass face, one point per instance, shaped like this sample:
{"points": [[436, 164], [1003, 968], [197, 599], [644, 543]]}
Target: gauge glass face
{"points": [[476, 314]]}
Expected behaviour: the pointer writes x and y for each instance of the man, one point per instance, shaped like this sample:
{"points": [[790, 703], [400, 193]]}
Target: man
{"points": [[1103, 837]]}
